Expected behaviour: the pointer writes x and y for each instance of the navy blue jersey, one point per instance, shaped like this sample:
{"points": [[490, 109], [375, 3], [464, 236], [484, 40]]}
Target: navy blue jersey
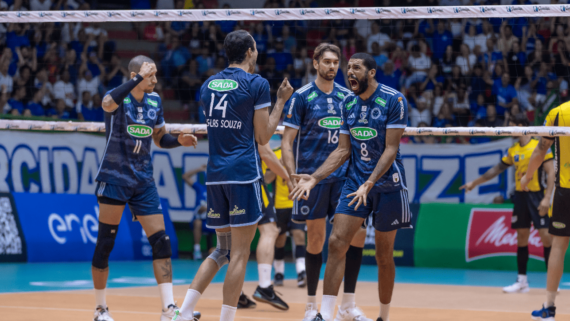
{"points": [[126, 159], [317, 117], [230, 99], [366, 123]]}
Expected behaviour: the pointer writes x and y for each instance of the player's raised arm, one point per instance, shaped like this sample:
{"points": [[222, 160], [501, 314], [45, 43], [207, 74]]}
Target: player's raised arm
{"points": [[490, 174], [265, 124], [335, 160], [116, 96]]}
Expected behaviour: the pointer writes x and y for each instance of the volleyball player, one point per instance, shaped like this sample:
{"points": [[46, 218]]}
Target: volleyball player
{"points": [[560, 210], [373, 120], [531, 205], [133, 119], [236, 104]]}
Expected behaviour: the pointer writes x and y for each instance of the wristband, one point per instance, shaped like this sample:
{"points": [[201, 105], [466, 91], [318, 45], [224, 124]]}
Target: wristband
{"points": [[169, 141], [120, 93]]}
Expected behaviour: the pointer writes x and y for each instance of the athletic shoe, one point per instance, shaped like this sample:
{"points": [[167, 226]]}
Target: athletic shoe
{"points": [[102, 314], [268, 295], [544, 314], [178, 317], [245, 303], [351, 314], [319, 317], [278, 280], [302, 279], [310, 312], [517, 287], [197, 255]]}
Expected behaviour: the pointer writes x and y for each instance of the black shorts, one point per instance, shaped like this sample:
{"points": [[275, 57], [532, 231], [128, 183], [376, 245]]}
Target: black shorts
{"points": [[526, 211], [284, 221], [269, 215], [560, 220]]}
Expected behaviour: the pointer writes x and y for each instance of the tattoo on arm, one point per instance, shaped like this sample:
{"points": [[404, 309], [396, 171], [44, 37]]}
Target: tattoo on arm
{"points": [[544, 144]]}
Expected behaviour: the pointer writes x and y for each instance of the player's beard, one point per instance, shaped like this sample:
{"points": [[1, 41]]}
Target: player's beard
{"points": [[362, 84], [326, 75]]}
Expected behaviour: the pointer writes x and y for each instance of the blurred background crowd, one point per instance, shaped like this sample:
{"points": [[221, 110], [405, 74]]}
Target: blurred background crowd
{"points": [[454, 72]]}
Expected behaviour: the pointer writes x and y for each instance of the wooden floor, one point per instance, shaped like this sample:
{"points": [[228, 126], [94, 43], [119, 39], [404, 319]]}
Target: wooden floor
{"points": [[411, 302]]}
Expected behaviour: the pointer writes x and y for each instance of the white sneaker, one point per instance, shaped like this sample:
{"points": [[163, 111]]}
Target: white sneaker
{"points": [[102, 314], [517, 287], [351, 314], [310, 312], [176, 315]]}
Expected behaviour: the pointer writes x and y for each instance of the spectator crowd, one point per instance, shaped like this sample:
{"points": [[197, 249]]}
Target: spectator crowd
{"points": [[454, 72]]}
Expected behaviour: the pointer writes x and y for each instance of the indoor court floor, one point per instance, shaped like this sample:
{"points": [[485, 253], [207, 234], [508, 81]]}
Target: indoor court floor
{"points": [[62, 292]]}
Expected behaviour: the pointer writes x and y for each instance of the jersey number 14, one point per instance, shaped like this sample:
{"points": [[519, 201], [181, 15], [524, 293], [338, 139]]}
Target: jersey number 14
{"points": [[219, 106]]}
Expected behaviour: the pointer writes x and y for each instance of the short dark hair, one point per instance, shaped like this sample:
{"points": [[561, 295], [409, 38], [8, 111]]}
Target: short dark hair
{"points": [[324, 47], [521, 119], [369, 62], [136, 63], [236, 45]]}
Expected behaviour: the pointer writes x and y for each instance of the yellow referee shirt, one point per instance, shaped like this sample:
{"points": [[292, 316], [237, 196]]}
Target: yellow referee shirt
{"points": [[281, 190], [520, 156], [560, 116]]}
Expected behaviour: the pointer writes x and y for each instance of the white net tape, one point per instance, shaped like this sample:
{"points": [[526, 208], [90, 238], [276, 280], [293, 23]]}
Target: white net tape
{"points": [[288, 14], [202, 129]]}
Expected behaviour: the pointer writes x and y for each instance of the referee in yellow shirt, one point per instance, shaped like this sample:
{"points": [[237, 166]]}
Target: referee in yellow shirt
{"points": [[560, 210], [284, 209], [529, 205]]}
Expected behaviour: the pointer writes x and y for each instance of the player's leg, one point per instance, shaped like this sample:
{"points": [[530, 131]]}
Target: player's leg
{"points": [[546, 240], [298, 235], [344, 229], [109, 219], [352, 270], [386, 270], [540, 223], [197, 238], [268, 233], [521, 222], [279, 261]]}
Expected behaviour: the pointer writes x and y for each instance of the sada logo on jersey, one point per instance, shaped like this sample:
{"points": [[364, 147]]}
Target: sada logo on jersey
{"points": [[490, 234], [140, 131], [330, 122], [223, 85], [363, 133]]}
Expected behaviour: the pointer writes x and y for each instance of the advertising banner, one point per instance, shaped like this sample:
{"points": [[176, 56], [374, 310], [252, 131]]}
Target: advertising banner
{"points": [[469, 236], [12, 241]]}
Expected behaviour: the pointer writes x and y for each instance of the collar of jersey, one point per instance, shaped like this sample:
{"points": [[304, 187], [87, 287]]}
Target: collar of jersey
{"points": [[136, 102], [374, 94], [319, 89]]}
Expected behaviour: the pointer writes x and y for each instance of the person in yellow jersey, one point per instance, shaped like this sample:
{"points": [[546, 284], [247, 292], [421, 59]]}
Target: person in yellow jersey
{"points": [[560, 211], [268, 233], [529, 205], [284, 210]]}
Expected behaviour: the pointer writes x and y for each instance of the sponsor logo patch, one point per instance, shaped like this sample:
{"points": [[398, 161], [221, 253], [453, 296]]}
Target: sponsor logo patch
{"points": [[151, 102], [236, 211], [363, 133], [350, 104], [380, 102], [223, 85], [139, 130], [330, 122], [312, 96], [558, 225]]}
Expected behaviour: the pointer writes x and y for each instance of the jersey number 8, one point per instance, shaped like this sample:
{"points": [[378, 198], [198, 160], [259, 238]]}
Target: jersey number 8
{"points": [[364, 152]]}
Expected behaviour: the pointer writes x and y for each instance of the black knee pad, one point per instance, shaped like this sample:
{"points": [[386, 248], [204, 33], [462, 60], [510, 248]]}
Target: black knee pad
{"points": [[160, 243], [105, 243]]}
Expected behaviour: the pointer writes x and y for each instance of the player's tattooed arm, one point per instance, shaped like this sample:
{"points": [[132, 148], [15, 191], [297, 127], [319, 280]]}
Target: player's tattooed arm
{"points": [[491, 173], [164, 140], [536, 160]]}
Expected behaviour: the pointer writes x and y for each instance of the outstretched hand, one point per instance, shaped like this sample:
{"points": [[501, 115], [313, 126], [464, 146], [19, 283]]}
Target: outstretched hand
{"points": [[360, 195], [468, 187], [302, 189]]}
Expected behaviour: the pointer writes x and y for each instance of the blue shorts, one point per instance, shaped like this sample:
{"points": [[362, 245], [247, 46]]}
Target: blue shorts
{"points": [[322, 203], [234, 205], [142, 200], [391, 211]]}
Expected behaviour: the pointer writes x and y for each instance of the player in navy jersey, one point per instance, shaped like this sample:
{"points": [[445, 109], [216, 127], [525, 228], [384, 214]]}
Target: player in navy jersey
{"points": [[236, 103], [133, 120], [311, 134], [373, 121]]}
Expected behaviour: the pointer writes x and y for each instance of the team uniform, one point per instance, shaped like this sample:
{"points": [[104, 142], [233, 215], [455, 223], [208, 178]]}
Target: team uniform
{"points": [[234, 179], [201, 199], [317, 117], [366, 123], [526, 203], [560, 215], [125, 174]]}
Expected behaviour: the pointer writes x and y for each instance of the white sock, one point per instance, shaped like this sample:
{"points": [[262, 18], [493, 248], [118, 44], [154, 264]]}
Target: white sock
{"points": [[384, 311], [228, 313], [166, 295], [300, 264], [100, 298], [264, 271], [348, 301], [550, 297], [279, 266], [197, 248], [187, 309], [327, 306], [522, 279]]}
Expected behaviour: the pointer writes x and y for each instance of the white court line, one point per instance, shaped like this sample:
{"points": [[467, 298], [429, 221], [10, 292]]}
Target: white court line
{"points": [[261, 318]]}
